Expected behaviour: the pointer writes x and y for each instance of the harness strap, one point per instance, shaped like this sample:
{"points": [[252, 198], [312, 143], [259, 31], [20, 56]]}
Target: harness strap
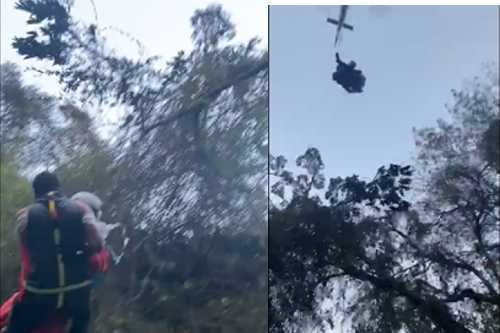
{"points": [[61, 290], [61, 271]]}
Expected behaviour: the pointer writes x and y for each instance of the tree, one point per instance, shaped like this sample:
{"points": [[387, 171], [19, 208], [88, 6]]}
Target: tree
{"points": [[431, 266], [24, 111], [461, 200], [187, 174], [37, 130], [15, 192], [313, 242], [192, 283], [202, 118]]}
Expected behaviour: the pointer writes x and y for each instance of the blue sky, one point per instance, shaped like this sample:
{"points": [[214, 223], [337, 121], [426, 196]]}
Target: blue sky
{"points": [[412, 58]]}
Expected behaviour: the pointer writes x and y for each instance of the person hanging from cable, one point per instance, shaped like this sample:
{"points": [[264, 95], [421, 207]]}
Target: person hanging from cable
{"points": [[346, 75]]}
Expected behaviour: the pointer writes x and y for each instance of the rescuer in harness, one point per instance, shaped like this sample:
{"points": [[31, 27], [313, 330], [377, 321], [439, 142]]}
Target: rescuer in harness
{"points": [[348, 77], [58, 245]]}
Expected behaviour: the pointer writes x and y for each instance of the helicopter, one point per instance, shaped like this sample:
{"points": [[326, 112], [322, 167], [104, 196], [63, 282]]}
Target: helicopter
{"points": [[340, 23]]}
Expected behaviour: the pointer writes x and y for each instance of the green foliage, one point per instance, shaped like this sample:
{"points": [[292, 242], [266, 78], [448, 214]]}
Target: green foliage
{"points": [[207, 281], [23, 108], [15, 193], [189, 160]]}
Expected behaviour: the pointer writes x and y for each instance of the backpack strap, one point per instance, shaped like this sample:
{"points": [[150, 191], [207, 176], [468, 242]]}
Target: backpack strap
{"points": [[61, 271]]}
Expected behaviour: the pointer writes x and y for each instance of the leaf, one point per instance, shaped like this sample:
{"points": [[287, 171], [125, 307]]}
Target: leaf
{"points": [[278, 189]]}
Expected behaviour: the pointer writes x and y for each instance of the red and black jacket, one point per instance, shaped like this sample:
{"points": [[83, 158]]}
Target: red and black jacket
{"points": [[58, 242], [31, 264]]}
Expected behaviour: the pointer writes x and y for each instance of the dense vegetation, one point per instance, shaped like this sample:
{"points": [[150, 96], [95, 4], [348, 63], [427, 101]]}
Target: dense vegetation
{"points": [[185, 176]]}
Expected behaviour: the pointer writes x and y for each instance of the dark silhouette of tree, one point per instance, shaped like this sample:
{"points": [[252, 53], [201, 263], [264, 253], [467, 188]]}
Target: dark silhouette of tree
{"points": [[386, 264], [54, 14]]}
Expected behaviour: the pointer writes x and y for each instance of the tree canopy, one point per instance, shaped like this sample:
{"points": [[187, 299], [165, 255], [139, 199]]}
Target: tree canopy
{"points": [[386, 263]]}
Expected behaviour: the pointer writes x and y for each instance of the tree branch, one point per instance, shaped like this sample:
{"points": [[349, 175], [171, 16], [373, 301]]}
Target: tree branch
{"points": [[431, 307], [469, 293], [439, 258], [481, 246], [211, 95]]}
